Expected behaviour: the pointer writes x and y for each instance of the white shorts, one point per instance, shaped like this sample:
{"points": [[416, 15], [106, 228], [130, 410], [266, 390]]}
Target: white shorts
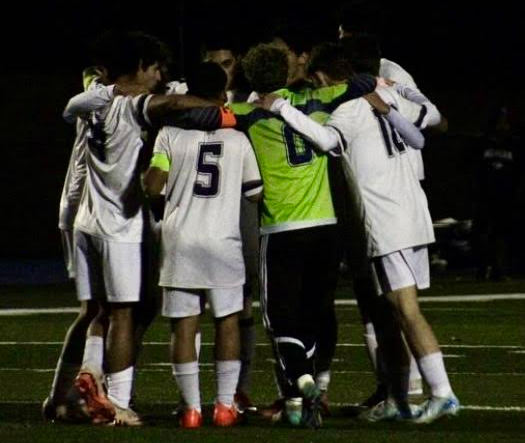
{"points": [[401, 269], [179, 302], [68, 246], [110, 271]]}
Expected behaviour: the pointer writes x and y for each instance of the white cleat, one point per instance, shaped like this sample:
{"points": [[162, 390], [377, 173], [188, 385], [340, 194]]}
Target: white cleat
{"points": [[436, 407], [388, 411]]}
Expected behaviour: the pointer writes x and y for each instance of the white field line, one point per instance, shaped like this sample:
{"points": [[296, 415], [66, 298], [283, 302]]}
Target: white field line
{"points": [[335, 404], [339, 302], [518, 348]]}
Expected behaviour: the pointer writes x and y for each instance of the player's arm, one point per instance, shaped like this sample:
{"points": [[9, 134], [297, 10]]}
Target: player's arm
{"points": [[408, 131], [330, 97], [324, 137], [430, 115], [252, 185], [91, 100], [156, 176], [184, 111], [187, 112]]}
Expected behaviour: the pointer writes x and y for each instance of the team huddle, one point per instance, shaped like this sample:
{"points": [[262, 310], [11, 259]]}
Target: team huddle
{"points": [[205, 192]]}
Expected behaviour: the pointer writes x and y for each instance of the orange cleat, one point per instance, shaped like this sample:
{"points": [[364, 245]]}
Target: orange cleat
{"points": [[225, 415], [91, 389], [190, 419]]}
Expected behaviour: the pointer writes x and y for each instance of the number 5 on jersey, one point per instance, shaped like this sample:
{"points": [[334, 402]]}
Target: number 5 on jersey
{"points": [[208, 170]]}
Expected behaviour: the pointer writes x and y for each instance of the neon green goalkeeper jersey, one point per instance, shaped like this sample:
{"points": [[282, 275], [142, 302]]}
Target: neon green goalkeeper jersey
{"points": [[296, 187]]}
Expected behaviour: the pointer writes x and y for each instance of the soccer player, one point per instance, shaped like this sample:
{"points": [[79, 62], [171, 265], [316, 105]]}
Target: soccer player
{"points": [[112, 224], [297, 198], [298, 260], [350, 32], [221, 50], [206, 174], [61, 403], [398, 226]]}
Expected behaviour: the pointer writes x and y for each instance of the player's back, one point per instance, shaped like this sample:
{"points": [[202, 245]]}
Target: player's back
{"points": [[112, 206], [201, 234], [396, 209]]}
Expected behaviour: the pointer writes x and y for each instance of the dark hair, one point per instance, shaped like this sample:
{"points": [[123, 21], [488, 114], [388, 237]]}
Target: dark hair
{"points": [[123, 53], [266, 67], [363, 52], [207, 80], [330, 59]]}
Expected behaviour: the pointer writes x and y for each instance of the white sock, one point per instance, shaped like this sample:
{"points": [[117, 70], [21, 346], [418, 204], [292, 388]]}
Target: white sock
{"points": [[322, 380], [93, 353], [227, 376], [119, 387], [198, 344], [187, 376], [65, 374], [432, 368]]}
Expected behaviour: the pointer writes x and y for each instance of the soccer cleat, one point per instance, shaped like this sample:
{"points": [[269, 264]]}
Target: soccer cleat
{"points": [[293, 408], [378, 396], [311, 415], [388, 411], [190, 419], [70, 411], [275, 411], [90, 387], [125, 417], [243, 402], [225, 415], [436, 407]]}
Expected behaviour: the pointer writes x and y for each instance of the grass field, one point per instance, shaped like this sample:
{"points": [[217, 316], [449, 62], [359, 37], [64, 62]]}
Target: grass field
{"points": [[483, 343]]}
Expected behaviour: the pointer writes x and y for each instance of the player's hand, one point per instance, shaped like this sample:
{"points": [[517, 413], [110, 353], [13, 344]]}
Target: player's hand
{"points": [[377, 103], [361, 84], [383, 82], [266, 101]]}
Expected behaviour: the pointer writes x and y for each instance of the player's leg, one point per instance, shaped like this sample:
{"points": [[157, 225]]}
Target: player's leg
{"points": [[62, 402], [250, 249], [282, 269], [320, 282], [225, 306], [124, 291], [90, 286], [183, 307], [407, 270]]}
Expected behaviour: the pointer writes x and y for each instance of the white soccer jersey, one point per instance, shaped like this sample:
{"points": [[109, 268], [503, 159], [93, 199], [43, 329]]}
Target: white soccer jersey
{"points": [[75, 179], [395, 207], [201, 240], [393, 71], [112, 203]]}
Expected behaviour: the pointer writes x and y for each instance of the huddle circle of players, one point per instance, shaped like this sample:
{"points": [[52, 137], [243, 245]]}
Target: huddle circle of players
{"points": [[213, 195]]}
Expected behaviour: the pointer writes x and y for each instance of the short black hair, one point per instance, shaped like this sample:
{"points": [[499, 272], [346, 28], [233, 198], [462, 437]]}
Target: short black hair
{"points": [[363, 51], [330, 59], [207, 80], [123, 52]]}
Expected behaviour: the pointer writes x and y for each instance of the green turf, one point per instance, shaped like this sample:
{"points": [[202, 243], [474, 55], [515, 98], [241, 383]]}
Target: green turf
{"points": [[491, 376]]}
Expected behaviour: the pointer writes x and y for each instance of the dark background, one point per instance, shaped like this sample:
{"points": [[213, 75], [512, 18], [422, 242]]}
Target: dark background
{"points": [[466, 57]]}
